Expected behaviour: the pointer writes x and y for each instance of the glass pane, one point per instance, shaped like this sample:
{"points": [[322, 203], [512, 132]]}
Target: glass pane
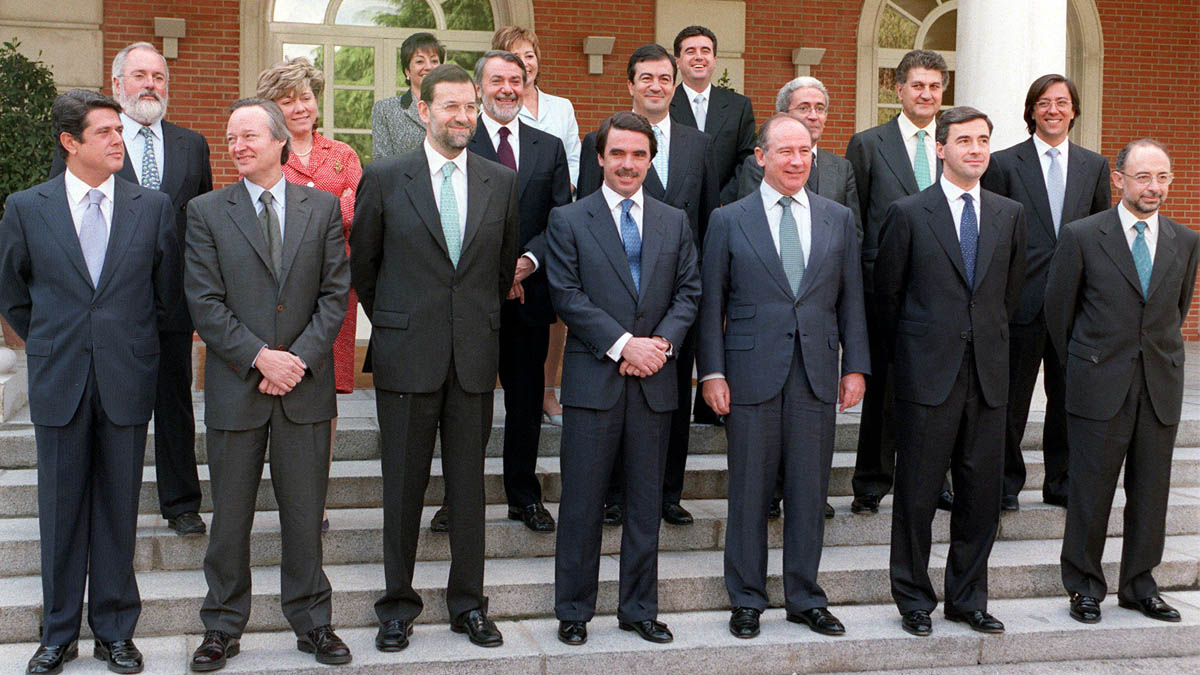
{"points": [[300, 11], [391, 13], [468, 14], [885, 115], [314, 53], [463, 58], [917, 8], [896, 31], [360, 142], [353, 65], [401, 80], [948, 94], [887, 86], [943, 33], [352, 108]]}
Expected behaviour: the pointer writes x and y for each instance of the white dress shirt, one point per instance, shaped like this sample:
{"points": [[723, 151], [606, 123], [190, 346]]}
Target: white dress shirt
{"points": [[908, 131], [691, 94], [954, 198], [1128, 219], [514, 137], [77, 199], [135, 144], [1044, 159], [800, 212], [458, 181], [614, 206], [556, 116], [278, 191]]}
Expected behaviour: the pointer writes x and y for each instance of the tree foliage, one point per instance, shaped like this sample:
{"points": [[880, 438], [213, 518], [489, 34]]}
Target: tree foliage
{"points": [[26, 94]]}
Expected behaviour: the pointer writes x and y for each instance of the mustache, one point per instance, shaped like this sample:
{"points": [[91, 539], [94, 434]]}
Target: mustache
{"points": [[628, 173]]}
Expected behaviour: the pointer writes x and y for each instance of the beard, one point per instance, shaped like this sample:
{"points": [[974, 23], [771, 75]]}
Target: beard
{"points": [[143, 111]]}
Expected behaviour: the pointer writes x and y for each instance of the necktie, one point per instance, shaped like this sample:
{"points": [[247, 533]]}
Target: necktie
{"points": [[269, 220], [701, 111], [93, 235], [968, 238], [813, 181], [1055, 187], [633, 243], [504, 150], [660, 159], [150, 177], [921, 162], [791, 252], [450, 215], [1141, 256]]}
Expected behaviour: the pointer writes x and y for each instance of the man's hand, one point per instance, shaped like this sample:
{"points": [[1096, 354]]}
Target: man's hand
{"points": [[627, 368], [663, 343], [716, 395], [524, 269], [266, 387], [646, 355], [517, 292], [282, 368], [851, 390]]}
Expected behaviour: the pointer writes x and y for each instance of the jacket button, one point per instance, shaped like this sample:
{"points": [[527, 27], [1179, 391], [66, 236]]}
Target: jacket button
{"points": [[963, 335], [281, 348], [95, 307], [279, 308], [790, 336]]}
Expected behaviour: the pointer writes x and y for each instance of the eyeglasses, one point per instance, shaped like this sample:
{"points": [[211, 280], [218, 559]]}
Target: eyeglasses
{"points": [[455, 109], [141, 77], [1143, 179], [1044, 104], [805, 108]]}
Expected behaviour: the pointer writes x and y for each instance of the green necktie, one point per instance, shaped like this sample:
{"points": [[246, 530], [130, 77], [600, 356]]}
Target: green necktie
{"points": [[269, 221], [791, 251], [450, 215], [921, 162], [1141, 256]]}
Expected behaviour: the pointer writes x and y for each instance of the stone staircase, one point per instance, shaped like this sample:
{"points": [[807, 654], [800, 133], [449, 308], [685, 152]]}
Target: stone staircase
{"points": [[1024, 577]]}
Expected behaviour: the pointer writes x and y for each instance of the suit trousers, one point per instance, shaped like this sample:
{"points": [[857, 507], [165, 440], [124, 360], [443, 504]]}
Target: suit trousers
{"points": [[408, 425], [965, 434], [299, 476], [1133, 437], [522, 352], [791, 434], [175, 427], [874, 463], [593, 441], [89, 478], [1029, 348]]}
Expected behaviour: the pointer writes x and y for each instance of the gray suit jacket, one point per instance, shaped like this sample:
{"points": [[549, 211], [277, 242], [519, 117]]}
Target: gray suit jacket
{"points": [[239, 306], [395, 128], [593, 291], [750, 319], [833, 175]]}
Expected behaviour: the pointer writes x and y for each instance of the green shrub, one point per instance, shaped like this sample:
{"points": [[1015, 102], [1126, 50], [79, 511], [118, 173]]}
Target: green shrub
{"points": [[26, 93]]}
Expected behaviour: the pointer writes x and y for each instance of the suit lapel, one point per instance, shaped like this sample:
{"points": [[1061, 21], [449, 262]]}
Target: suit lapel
{"points": [[758, 233], [681, 108], [989, 235], [527, 162], [653, 232], [245, 218], [297, 215], [895, 153], [821, 228], [653, 184], [1112, 242], [941, 221], [677, 162], [481, 143], [57, 216], [419, 189], [479, 191], [174, 143], [127, 171], [604, 230], [1031, 176], [1164, 255], [120, 231], [1073, 190]]}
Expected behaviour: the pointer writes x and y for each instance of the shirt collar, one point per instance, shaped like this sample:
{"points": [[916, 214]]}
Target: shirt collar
{"points": [[1128, 218], [613, 198], [493, 127], [278, 190], [908, 129], [664, 126], [133, 128], [954, 192], [1042, 146], [771, 196], [437, 160], [77, 189], [691, 93]]}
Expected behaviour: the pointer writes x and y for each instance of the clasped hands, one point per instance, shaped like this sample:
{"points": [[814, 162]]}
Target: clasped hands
{"points": [[644, 356], [281, 371]]}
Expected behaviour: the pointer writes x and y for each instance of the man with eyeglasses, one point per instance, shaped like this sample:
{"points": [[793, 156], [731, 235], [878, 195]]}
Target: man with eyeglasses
{"points": [[1057, 181], [1119, 288]]}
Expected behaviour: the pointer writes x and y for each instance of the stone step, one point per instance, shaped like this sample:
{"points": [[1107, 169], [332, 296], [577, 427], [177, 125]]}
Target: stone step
{"points": [[524, 588], [356, 534], [1038, 632]]}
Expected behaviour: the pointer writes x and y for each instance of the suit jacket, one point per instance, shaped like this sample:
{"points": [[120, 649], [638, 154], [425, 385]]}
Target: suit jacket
{"points": [[1016, 173], [691, 177], [750, 319], [834, 177], [187, 172], [543, 182], [1100, 323], [396, 128], [729, 122], [424, 310], [70, 325], [239, 306], [592, 289], [927, 310]]}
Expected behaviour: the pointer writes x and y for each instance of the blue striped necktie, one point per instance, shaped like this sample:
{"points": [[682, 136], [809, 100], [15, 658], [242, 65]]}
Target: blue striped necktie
{"points": [[633, 243], [968, 238]]}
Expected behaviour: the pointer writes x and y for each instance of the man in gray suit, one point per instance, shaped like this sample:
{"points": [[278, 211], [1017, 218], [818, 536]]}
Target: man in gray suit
{"points": [[623, 277], [433, 251], [266, 282], [782, 292]]}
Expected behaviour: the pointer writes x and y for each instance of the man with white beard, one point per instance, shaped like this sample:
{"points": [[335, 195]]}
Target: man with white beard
{"points": [[166, 157]]}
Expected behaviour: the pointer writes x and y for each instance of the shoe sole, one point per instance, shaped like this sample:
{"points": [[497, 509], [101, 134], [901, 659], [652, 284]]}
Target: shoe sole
{"points": [[629, 627], [460, 629], [1081, 619], [230, 652], [1138, 608], [977, 629], [913, 631], [794, 618], [308, 648]]}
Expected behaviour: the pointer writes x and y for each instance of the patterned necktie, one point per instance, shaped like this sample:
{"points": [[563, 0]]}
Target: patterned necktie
{"points": [[150, 177], [791, 251], [633, 243], [660, 158], [921, 162], [1141, 256], [968, 238], [450, 215], [269, 220], [1055, 187], [504, 150], [701, 111], [93, 235]]}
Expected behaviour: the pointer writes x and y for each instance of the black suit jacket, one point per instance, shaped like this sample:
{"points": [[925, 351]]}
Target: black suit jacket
{"points": [[927, 310], [1100, 322], [543, 182], [1016, 173], [187, 173], [730, 124]]}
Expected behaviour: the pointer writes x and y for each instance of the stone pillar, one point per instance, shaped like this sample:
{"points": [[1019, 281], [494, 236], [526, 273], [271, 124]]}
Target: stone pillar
{"points": [[1002, 48], [13, 386]]}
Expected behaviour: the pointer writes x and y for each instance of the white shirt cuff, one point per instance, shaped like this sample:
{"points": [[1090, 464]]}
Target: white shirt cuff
{"points": [[713, 376], [254, 363], [532, 258], [614, 352]]}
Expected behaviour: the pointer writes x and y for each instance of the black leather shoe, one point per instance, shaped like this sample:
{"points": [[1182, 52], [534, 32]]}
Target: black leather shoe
{"points": [[393, 635], [49, 659], [720, 421], [979, 621], [828, 511], [120, 655], [479, 629], [323, 643], [1153, 607], [535, 516], [573, 633], [865, 504], [1009, 503], [675, 514], [946, 501], [187, 524], [775, 510], [440, 521], [917, 622], [1055, 500], [820, 620], [213, 651], [614, 514], [744, 622], [1085, 609], [650, 630]]}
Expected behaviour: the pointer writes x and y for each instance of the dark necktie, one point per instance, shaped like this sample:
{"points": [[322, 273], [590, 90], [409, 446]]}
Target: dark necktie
{"points": [[270, 225], [633, 243], [968, 238], [504, 150], [813, 181]]}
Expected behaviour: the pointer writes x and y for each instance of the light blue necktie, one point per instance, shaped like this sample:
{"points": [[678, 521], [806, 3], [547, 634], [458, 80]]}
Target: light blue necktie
{"points": [[968, 238], [1141, 256], [921, 162], [791, 251], [150, 178], [450, 215], [93, 235], [1055, 187], [633, 243], [661, 161]]}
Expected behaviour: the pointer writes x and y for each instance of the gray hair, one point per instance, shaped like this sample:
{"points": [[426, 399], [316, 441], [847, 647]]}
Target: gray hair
{"points": [[118, 64], [275, 122], [783, 100], [1123, 155], [498, 54]]}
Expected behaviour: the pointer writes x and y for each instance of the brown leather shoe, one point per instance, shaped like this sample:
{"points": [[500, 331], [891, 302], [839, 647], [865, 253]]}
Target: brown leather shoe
{"points": [[323, 643], [213, 651]]}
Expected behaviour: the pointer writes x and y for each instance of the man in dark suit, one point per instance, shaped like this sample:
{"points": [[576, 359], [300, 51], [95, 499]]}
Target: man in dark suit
{"points": [[433, 249], [781, 263], [949, 272], [544, 183], [88, 275], [1119, 288], [1057, 182], [266, 282], [623, 277], [890, 161], [685, 156], [169, 158]]}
